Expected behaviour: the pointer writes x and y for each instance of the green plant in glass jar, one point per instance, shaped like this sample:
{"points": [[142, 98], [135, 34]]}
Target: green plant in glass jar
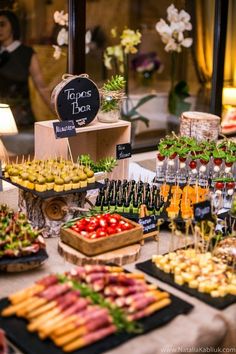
{"points": [[112, 94]]}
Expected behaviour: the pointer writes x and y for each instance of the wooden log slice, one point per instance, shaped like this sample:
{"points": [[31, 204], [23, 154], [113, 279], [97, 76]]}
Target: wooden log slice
{"points": [[20, 267], [200, 125], [121, 256]]}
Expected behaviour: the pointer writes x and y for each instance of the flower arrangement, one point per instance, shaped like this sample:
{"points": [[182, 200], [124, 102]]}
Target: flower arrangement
{"points": [[61, 19], [129, 40], [117, 57], [146, 64], [173, 36]]}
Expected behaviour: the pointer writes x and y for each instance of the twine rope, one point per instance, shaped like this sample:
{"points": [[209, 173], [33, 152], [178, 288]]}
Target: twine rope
{"points": [[69, 76], [115, 95]]}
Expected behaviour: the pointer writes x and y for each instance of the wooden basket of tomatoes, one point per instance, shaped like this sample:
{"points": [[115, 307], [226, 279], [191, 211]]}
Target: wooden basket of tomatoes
{"points": [[101, 233]]}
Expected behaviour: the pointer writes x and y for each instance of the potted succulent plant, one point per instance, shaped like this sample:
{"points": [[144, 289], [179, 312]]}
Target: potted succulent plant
{"points": [[112, 94]]}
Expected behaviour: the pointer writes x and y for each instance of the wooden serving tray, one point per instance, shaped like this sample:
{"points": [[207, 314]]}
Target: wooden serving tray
{"points": [[103, 244]]}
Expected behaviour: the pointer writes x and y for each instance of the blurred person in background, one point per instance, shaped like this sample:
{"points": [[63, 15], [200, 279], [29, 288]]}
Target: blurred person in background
{"points": [[17, 63]]}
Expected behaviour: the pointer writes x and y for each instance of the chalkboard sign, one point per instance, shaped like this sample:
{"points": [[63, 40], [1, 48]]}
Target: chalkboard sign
{"points": [[123, 151], [149, 223], [202, 211], [76, 98], [64, 129]]}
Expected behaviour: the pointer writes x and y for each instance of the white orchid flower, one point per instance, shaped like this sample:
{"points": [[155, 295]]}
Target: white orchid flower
{"points": [[177, 27], [172, 13], [184, 16], [187, 42], [163, 28], [88, 39], [57, 52], [173, 34], [180, 37], [107, 62], [118, 52], [62, 37], [61, 18], [171, 46]]}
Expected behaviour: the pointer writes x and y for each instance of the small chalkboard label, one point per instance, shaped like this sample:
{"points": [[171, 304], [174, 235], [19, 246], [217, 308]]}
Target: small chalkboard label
{"points": [[64, 129], [78, 100], [202, 211], [149, 224], [123, 151]]}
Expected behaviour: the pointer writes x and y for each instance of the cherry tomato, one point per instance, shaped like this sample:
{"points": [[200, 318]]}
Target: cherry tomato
{"points": [[112, 220], [230, 185], [204, 162], [84, 233], [118, 229], [228, 164], [192, 164], [93, 235], [218, 161], [101, 232], [103, 222], [125, 226], [75, 228], [160, 157], [99, 216], [81, 223], [219, 185], [90, 227], [111, 230], [116, 216], [173, 156]]}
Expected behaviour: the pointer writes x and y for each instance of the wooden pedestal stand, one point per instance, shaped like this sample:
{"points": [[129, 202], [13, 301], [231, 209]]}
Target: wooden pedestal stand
{"points": [[49, 214], [121, 256], [97, 139]]}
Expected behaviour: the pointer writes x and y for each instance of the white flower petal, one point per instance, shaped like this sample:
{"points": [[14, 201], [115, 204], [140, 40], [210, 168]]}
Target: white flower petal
{"points": [[184, 16], [62, 37], [187, 42], [180, 36], [88, 36], [188, 26], [177, 26], [163, 28], [172, 13], [57, 52], [171, 46]]}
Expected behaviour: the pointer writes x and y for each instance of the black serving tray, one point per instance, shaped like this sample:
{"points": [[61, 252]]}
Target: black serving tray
{"points": [[41, 255], [220, 303], [52, 193], [29, 343]]}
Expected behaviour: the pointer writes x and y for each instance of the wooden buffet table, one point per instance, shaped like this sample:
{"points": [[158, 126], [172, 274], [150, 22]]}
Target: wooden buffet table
{"points": [[204, 327]]}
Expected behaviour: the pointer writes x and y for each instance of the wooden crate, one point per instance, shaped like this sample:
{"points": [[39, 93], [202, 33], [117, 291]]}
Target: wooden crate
{"points": [[104, 244], [97, 139]]}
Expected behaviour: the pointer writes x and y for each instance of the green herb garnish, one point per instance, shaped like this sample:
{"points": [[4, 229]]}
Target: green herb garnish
{"points": [[119, 317]]}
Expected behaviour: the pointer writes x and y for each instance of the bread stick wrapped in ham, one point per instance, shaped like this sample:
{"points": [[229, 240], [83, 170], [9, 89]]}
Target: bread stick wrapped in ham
{"points": [[95, 323], [60, 312], [149, 310], [44, 297], [90, 338], [117, 290]]}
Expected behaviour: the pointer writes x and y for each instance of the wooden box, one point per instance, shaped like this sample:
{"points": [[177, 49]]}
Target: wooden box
{"points": [[97, 139], [103, 244]]}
